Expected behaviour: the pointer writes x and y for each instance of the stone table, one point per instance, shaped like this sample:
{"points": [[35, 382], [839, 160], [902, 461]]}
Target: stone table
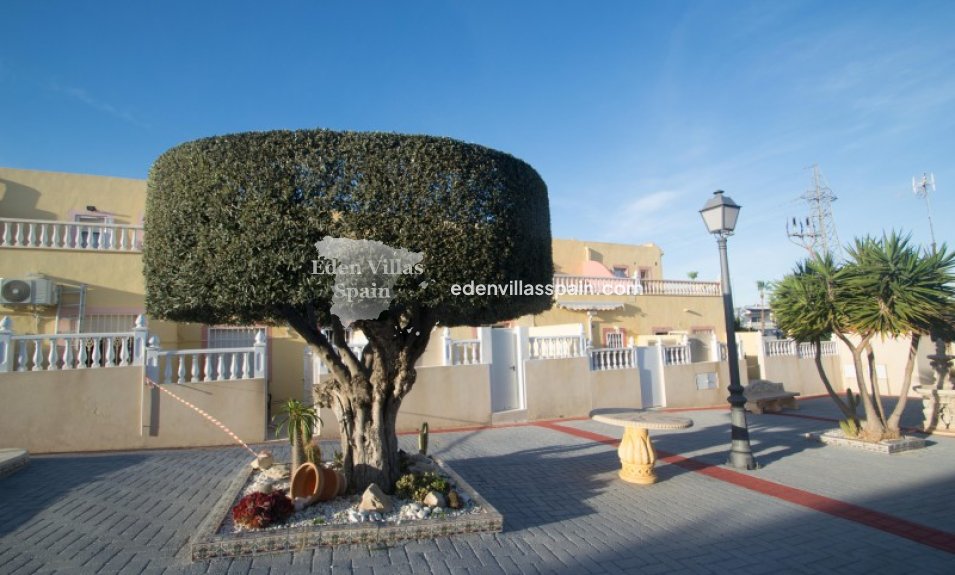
{"points": [[637, 456]]}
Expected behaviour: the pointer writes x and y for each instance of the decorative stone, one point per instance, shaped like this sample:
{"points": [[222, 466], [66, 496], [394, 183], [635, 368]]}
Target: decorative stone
{"points": [[299, 503], [263, 460], [265, 486], [454, 500], [423, 513], [434, 499], [437, 511], [374, 499]]}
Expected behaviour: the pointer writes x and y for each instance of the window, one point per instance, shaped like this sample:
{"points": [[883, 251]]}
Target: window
{"points": [[620, 271], [613, 339], [228, 337], [93, 236]]}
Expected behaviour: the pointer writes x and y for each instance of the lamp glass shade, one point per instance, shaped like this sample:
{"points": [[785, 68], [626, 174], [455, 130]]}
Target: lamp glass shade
{"points": [[720, 214]]}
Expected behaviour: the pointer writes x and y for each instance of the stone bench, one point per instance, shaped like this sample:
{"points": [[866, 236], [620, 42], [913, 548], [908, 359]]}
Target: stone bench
{"points": [[762, 396]]}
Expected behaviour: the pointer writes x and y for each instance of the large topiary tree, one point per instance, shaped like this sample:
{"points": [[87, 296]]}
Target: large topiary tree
{"points": [[232, 224]]}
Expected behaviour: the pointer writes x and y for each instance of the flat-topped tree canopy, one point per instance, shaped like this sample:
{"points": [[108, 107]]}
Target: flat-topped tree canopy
{"points": [[232, 223]]}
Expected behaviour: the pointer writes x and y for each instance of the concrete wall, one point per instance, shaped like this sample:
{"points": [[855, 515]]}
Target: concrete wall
{"points": [[445, 397], [615, 388], [557, 388], [109, 409], [801, 375], [681, 390], [891, 354]]}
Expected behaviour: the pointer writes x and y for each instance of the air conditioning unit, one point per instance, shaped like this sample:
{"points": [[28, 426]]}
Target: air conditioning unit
{"points": [[27, 291]]}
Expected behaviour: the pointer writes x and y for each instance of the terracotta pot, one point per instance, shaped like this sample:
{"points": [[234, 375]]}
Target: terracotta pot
{"points": [[317, 483], [305, 482]]}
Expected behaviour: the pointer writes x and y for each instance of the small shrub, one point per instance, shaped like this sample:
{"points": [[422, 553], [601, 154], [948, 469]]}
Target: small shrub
{"points": [[258, 510], [415, 486]]}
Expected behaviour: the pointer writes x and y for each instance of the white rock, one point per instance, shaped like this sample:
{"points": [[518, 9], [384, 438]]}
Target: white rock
{"points": [[434, 499], [437, 510], [422, 513]]}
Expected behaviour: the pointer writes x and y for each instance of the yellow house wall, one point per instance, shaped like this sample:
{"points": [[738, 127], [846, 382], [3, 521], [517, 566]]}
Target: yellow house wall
{"points": [[641, 315], [109, 409], [569, 256], [36, 195]]}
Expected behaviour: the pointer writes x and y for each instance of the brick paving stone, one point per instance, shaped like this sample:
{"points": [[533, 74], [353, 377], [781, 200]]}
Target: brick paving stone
{"points": [[565, 509]]}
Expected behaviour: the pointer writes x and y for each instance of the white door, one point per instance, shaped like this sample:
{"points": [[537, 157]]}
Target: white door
{"points": [[651, 380], [505, 393]]}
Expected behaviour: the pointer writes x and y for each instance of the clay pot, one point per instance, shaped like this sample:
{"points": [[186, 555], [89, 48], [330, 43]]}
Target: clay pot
{"points": [[317, 483]]}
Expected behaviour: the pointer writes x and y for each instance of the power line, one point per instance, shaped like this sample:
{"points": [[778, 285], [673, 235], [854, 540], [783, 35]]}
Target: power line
{"points": [[922, 189], [816, 233]]}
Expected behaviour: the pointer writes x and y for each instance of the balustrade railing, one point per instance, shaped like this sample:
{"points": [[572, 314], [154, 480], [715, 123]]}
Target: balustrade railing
{"points": [[72, 351], [464, 351], [608, 358], [50, 234], [804, 350], [607, 286], [555, 346], [677, 355]]}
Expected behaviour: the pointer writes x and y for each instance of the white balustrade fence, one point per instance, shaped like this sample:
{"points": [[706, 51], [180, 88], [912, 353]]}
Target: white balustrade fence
{"points": [[463, 352], [676, 354], [555, 346], [607, 285], [789, 347], [607, 358], [202, 365], [74, 351], [55, 352], [47, 234]]}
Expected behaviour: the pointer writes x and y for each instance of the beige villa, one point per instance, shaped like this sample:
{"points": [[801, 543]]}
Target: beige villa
{"points": [[619, 334]]}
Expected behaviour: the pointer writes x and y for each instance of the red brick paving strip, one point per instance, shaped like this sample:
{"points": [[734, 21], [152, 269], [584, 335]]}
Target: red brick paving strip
{"points": [[883, 522]]}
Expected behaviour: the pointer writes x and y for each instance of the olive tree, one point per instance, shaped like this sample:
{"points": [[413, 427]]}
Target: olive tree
{"points": [[232, 225]]}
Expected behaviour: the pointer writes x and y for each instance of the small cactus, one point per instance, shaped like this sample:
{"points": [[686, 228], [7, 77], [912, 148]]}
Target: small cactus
{"points": [[313, 452], [423, 439], [849, 428], [853, 400]]}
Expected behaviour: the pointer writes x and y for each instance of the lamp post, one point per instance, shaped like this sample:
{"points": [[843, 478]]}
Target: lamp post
{"points": [[719, 215]]}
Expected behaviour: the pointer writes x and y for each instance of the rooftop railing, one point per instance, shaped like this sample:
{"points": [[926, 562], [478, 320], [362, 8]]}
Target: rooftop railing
{"points": [[60, 235]]}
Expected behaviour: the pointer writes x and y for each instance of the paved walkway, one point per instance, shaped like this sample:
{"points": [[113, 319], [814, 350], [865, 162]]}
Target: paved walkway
{"points": [[809, 509]]}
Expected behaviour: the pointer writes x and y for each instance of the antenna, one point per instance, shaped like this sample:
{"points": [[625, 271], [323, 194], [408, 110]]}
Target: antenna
{"points": [[922, 189], [816, 233]]}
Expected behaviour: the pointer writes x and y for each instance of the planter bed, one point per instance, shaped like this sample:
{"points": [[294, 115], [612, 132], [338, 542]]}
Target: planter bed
{"points": [[886, 446], [218, 537]]}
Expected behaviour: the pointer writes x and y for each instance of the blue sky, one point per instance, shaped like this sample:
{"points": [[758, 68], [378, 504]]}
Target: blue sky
{"points": [[633, 112]]}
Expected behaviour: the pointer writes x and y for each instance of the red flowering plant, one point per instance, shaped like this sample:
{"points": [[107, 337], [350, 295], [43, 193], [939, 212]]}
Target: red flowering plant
{"points": [[258, 510]]}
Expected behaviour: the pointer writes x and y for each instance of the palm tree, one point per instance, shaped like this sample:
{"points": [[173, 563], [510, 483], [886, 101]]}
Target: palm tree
{"points": [[910, 294], [692, 275], [805, 307], [887, 288]]}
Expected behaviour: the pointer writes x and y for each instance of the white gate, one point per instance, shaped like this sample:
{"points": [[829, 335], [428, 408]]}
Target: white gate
{"points": [[505, 383], [651, 377]]}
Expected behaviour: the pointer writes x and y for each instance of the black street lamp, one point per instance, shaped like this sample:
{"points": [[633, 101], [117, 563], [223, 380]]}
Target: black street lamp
{"points": [[719, 215]]}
